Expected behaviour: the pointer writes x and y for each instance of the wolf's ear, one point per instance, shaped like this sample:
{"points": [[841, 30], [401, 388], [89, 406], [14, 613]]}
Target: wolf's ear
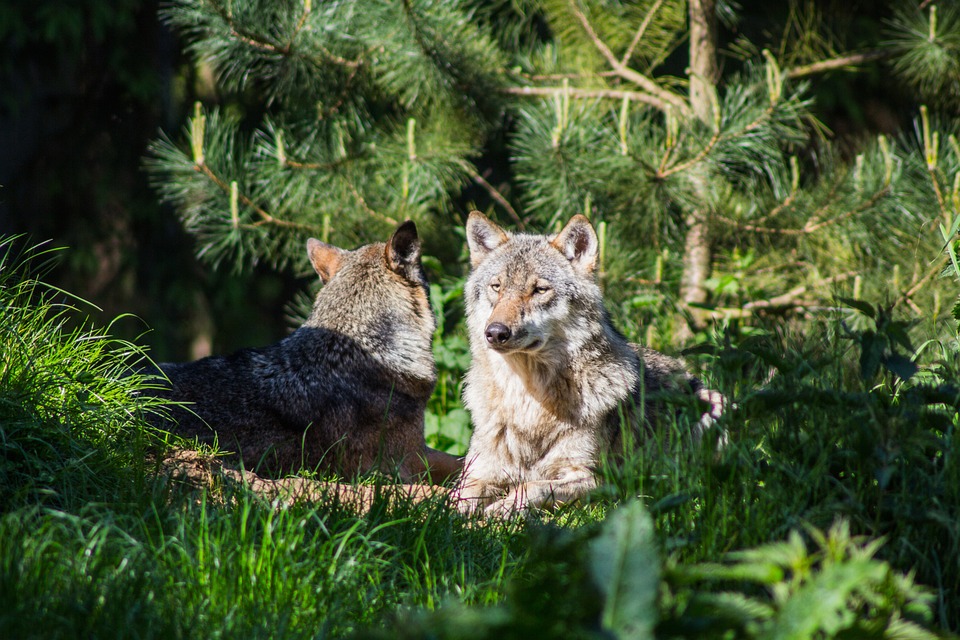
{"points": [[403, 249], [483, 236], [578, 242], [325, 258]]}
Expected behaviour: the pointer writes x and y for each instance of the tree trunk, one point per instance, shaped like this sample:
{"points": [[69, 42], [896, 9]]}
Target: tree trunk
{"points": [[704, 74]]}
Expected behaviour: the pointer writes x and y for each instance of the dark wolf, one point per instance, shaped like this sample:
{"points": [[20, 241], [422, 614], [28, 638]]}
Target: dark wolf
{"points": [[346, 392]]}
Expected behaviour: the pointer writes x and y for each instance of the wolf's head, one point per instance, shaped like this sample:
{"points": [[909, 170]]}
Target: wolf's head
{"points": [[377, 295], [532, 293]]}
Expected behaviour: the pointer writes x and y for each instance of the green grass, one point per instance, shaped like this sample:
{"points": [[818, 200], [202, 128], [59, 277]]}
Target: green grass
{"points": [[833, 512]]}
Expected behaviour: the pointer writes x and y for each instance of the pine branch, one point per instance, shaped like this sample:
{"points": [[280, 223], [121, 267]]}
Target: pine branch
{"points": [[553, 77], [683, 166], [497, 196], [265, 218], [789, 298], [299, 27], [784, 301], [366, 207], [647, 19], [661, 96], [781, 206], [813, 224], [253, 40], [841, 62], [919, 284], [611, 94]]}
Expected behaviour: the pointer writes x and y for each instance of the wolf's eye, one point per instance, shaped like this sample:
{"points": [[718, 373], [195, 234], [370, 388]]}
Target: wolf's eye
{"points": [[541, 289], [495, 286]]}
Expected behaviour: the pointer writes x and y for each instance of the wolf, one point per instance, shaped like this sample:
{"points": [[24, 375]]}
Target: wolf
{"points": [[552, 382], [346, 392]]}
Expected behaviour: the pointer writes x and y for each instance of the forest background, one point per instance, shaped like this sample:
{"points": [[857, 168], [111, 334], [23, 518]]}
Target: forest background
{"points": [[89, 89]]}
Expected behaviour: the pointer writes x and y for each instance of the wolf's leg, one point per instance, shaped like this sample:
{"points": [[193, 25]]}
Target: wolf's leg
{"points": [[471, 494], [431, 465], [542, 493], [442, 465]]}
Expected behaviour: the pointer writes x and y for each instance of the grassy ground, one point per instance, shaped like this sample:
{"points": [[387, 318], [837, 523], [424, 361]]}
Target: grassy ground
{"points": [[833, 512]]}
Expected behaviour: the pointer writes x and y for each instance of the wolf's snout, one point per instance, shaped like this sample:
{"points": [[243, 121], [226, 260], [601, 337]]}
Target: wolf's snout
{"points": [[497, 333]]}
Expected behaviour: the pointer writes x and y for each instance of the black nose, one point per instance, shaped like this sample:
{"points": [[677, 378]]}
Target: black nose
{"points": [[497, 333]]}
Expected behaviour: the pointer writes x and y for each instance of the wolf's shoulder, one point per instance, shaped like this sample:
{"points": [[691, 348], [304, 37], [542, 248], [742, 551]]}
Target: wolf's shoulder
{"points": [[663, 371]]}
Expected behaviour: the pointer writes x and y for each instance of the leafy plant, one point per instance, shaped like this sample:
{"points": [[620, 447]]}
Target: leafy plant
{"points": [[447, 424], [830, 587]]}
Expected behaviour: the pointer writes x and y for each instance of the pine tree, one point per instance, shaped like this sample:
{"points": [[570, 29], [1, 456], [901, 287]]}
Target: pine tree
{"points": [[684, 130]]}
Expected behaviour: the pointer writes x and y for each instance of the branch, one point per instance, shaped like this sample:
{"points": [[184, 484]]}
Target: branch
{"points": [[781, 206], [300, 23], [612, 94], [912, 291], [253, 40], [812, 224], [665, 171], [789, 298], [640, 31], [265, 218], [363, 203], [851, 60], [496, 195], [662, 96]]}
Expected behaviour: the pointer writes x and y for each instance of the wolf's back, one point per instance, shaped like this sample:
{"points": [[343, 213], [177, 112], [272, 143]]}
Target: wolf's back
{"points": [[346, 390]]}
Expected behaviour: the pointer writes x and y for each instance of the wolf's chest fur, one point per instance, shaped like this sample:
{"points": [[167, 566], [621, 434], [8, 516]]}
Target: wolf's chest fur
{"points": [[535, 417]]}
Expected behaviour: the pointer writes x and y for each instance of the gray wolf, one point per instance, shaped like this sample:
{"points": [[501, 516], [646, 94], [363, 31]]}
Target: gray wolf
{"points": [[552, 382], [346, 392]]}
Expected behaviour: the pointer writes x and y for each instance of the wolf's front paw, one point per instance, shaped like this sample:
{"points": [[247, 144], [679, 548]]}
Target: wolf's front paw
{"points": [[510, 506], [467, 506], [469, 498]]}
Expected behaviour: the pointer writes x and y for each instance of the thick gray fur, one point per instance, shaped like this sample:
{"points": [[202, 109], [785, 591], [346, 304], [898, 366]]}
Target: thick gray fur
{"points": [[346, 392], [552, 384]]}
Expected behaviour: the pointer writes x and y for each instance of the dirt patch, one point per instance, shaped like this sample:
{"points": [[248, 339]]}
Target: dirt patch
{"points": [[193, 469]]}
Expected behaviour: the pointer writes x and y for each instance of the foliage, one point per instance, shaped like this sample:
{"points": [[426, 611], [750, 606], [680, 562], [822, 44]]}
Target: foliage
{"points": [[832, 512], [806, 523], [447, 423], [343, 121], [370, 116], [605, 584], [838, 589], [69, 411], [95, 539], [931, 45]]}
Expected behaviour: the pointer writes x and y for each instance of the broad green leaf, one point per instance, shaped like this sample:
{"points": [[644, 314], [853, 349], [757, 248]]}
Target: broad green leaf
{"points": [[863, 307], [904, 367], [759, 572], [624, 565]]}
